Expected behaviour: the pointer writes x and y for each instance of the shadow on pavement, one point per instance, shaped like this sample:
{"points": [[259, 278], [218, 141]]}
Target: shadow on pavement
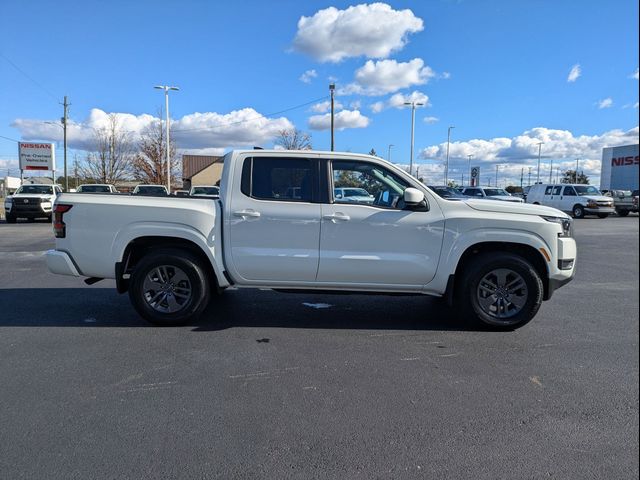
{"points": [[103, 307]]}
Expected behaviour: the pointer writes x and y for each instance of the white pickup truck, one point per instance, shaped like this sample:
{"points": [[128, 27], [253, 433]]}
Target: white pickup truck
{"points": [[496, 261]]}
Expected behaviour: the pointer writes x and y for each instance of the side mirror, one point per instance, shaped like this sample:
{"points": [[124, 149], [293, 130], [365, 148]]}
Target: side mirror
{"points": [[413, 197]]}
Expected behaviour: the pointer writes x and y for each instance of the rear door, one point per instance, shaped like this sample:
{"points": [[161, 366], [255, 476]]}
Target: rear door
{"points": [[376, 241], [568, 199], [555, 200], [274, 224]]}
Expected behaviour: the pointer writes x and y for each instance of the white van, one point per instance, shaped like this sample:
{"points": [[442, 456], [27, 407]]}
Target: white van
{"points": [[577, 199]]}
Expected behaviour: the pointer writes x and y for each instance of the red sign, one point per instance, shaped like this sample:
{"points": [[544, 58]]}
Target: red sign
{"points": [[625, 161]]}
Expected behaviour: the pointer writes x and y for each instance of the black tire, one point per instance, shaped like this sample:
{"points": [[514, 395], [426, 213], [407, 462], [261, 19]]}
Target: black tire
{"points": [[603, 215], [528, 291], [578, 211], [622, 213], [171, 263], [11, 219]]}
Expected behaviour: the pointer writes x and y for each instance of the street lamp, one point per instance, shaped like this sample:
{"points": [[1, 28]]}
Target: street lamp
{"points": [[332, 88], [389, 154], [413, 122], [469, 157], [539, 150], [446, 167], [166, 89]]}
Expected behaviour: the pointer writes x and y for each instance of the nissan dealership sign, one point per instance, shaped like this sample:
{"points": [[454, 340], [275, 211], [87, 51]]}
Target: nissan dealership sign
{"points": [[37, 156]]}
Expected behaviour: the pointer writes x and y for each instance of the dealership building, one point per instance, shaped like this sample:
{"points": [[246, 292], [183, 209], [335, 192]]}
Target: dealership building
{"points": [[620, 168]]}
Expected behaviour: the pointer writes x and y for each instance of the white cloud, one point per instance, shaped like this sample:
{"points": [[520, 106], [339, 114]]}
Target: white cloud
{"points": [[431, 120], [635, 105], [239, 128], [377, 107], [445, 75], [398, 100], [574, 73], [308, 75], [522, 150], [635, 75], [388, 76], [355, 105], [325, 106], [373, 30], [343, 119], [605, 103]]}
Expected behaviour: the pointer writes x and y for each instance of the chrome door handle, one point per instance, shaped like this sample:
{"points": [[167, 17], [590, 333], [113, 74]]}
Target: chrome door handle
{"points": [[247, 213], [337, 217]]}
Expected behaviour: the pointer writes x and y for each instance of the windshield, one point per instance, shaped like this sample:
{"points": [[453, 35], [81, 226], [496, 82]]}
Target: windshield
{"points": [[205, 191], [587, 190], [150, 190], [496, 192], [94, 189], [35, 190]]}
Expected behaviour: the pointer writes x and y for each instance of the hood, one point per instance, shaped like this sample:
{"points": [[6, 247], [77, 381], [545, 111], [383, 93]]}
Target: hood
{"points": [[505, 198], [43, 196], [500, 206], [597, 198]]}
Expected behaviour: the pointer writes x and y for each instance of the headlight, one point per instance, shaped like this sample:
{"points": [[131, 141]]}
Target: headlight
{"points": [[564, 222], [592, 204]]}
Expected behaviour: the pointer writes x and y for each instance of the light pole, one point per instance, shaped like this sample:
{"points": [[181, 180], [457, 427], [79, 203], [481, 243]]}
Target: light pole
{"points": [[413, 122], [551, 171], [469, 157], [577, 165], [389, 154], [332, 88], [166, 89], [529, 175], [497, 166], [539, 150], [446, 167]]}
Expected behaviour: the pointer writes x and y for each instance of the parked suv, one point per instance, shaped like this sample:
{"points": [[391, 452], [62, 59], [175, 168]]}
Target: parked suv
{"points": [[578, 199], [353, 194], [491, 194], [204, 191], [31, 202], [150, 191]]}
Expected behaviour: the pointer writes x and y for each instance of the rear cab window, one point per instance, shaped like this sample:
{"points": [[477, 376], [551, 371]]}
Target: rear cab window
{"points": [[280, 179]]}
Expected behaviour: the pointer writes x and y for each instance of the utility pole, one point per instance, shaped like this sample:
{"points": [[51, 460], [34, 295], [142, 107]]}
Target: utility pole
{"points": [[497, 166], [75, 170], [539, 150], [551, 171], [64, 119], [521, 177], [577, 166], [413, 122], [166, 89], [389, 154], [332, 88], [469, 157], [529, 176], [446, 167]]}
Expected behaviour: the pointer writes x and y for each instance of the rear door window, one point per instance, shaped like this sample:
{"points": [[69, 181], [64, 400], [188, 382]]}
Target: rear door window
{"points": [[280, 179]]}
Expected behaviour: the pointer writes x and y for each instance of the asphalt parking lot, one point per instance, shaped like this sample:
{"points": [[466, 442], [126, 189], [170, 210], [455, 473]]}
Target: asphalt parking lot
{"points": [[274, 386]]}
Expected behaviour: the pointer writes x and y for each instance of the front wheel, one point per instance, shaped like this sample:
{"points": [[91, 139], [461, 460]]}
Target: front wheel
{"points": [[578, 211], [622, 213], [500, 290], [603, 215], [11, 219], [169, 287]]}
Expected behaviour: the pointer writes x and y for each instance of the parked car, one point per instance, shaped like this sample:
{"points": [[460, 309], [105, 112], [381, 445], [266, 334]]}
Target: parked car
{"points": [[634, 194], [352, 194], [96, 188], [449, 193], [31, 202], [150, 191], [622, 201], [180, 193], [490, 193], [204, 191], [496, 261], [578, 199]]}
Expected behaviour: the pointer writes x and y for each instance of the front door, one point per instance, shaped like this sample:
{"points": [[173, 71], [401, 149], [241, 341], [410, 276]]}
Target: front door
{"points": [[370, 239], [274, 222]]}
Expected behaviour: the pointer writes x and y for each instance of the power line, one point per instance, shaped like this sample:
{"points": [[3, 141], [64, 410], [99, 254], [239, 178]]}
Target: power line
{"points": [[7, 138], [48, 92], [252, 119]]}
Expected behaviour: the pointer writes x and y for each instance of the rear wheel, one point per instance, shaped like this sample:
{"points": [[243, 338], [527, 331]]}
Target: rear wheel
{"points": [[578, 211], [622, 213], [500, 290], [603, 215], [169, 287], [11, 219]]}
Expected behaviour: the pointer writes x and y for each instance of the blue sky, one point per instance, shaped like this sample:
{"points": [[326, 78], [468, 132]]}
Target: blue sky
{"points": [[496, 70]]}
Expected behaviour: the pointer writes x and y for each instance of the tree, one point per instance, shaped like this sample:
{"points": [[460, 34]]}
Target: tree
{"points": [[569, 176], [110, 161], [452, 184], [294, 140], [373, 153], [150, 162], [513, 189]]}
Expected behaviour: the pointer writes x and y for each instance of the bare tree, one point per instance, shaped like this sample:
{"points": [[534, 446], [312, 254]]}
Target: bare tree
{"points": [[294, 140], [150, 163], [110, 161]]}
